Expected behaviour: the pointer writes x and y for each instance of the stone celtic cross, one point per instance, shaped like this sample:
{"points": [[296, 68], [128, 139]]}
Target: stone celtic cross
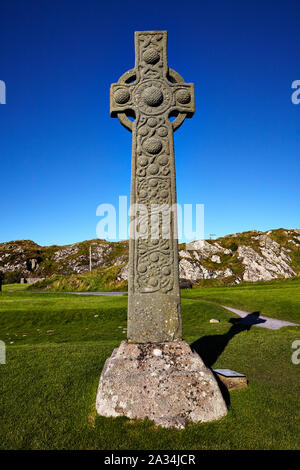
{"points": [[155, 374], [151, 93]]}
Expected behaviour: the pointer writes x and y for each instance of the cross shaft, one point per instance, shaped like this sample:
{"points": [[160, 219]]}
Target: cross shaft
{"points": [[152, 93]]}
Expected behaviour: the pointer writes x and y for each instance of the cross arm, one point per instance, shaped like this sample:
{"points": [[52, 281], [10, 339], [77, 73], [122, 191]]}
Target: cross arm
{"points": [[184, 99], [120, 98]]}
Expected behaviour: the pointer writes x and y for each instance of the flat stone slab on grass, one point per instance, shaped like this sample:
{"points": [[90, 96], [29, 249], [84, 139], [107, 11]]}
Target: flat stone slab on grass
{"points": [[231, 379], [164, 382]]}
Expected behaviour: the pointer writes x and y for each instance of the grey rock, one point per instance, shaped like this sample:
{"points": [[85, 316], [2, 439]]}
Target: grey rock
{"points": [[65, 252], [270, 263], [166, 383], [204, 248], [123, 273], [193, 270]]}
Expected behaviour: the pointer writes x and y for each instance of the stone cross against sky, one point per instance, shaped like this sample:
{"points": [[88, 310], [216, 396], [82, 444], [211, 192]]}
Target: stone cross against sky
{"points": [[151, 93]]}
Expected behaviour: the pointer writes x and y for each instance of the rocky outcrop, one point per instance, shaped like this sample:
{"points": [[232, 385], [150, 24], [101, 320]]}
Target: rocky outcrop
{"points": [[33, 261], [265, 265], [194, 270], [123, 273], [248, 256]]}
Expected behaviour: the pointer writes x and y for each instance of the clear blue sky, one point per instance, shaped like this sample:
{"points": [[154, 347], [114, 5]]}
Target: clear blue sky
{"points": [[62, 155]]}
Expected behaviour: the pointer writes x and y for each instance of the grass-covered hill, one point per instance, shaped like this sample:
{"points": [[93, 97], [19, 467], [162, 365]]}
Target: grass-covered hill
{"points": [[248, 256]]}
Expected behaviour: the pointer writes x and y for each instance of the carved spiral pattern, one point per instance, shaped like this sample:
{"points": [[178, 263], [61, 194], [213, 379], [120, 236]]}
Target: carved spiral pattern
{"points": [[154, 266], [154, 256]]}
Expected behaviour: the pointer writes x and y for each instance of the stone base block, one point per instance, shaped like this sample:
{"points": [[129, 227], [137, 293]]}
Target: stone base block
{"points": [[231, 379], [164, 382]]}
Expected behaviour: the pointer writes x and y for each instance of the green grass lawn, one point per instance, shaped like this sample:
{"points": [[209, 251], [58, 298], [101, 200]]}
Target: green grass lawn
{"points": [[57, 345], [276, 299], [14, 287]]}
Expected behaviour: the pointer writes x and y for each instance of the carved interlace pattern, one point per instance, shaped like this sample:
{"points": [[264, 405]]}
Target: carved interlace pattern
{"points": [[152, 97]]}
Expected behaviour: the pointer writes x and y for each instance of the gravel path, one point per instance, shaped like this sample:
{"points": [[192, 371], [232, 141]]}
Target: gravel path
{"points": [[259, 320], [113, 294]]}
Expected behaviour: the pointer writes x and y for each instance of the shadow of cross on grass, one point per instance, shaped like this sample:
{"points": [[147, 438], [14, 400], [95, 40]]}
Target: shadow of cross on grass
{"points": [[211, 347]]}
